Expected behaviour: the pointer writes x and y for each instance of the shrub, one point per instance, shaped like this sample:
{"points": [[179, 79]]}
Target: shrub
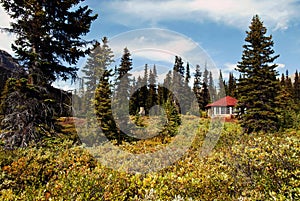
{"points": [[241, 167]]}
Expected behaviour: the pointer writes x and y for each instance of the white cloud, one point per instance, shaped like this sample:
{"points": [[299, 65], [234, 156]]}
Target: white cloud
{"points": [[5, 39], [5, 42], [4, 18], [229, 67], [160, 46], [276, 14], [280, 65]]}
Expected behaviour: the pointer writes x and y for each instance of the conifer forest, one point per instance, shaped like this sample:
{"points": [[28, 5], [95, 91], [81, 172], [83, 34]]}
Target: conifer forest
{"points": [[126, 136]]}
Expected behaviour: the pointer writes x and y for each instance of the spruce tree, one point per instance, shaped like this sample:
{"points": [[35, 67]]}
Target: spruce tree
{"points": [[49, 36], [99, 60], [288, 83], [48, 46], [222, 86], [205, 75], [187, 102], [282, 80], [205, 95], [212, 88], [286, 102], [296, 88], [258, 86], [152, 95], [187, 74], [198, 86], [178, 85], [144, 89], [122, 95], [103, 107], [178, 66], [231, 86], [165, 89]]}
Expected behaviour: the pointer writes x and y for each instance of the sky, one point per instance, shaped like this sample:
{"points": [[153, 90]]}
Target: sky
{"points": [[208, 33]]}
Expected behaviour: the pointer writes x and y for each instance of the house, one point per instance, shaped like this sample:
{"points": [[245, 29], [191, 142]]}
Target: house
{"points": [[224, 107]]}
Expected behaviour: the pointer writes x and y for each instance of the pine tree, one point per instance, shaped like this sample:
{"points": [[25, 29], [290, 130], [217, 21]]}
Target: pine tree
{"points": [[99, 60], [187, 95], [48, 36], [211, 88], [205, 75], [48, 45], [198, 86], [103, 107], [222, 88], [122, 95], [152, 96], [258, 86], [187, 74], [286, 102], [231, 86], [166, 99], [288, 83], [178, 66], [205, 92], [144, 89], [178, 85], [164, 93], [205, 95], [296, 88]]}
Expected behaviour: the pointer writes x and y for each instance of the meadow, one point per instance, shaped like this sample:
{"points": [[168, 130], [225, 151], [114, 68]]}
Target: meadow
{"points": [[257, 166]]}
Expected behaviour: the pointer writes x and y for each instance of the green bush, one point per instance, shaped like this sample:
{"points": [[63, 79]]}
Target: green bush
{"points": [[241, 167]]}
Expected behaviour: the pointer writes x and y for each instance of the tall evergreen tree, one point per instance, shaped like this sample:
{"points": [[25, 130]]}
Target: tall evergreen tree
{"points": [[178, 86], [187, 74], [286, 102], [103, 107], [152, 96], [48, 36], [296, 88], [186, 102], [288, 83], [258, 86], [212, 88], [205, 92], [222, 86], [48, 46], [144, 89], [198, 86], [99, 60], [205, 75], [231, 86], [122, 94], [178, 66], [282, 80], [205, 95], [163, 89]]}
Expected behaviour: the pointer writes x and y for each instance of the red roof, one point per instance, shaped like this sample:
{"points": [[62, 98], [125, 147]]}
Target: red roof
{"points": [[226, 101]]}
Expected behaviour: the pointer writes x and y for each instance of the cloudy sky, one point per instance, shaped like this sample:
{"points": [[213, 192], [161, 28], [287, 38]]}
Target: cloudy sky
{"points": [[202, 32]]}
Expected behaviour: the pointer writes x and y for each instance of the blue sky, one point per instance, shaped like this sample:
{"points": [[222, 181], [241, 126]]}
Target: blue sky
{"points": [[215, 28]]}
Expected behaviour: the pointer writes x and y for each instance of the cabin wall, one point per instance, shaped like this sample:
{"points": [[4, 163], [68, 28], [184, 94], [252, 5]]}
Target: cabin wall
{"points": [[220, 110]]}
